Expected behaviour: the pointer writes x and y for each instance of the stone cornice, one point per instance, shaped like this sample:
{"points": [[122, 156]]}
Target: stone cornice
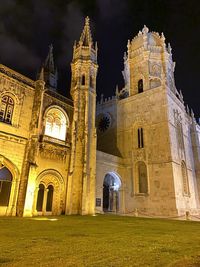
{"points": [[17, 76]]}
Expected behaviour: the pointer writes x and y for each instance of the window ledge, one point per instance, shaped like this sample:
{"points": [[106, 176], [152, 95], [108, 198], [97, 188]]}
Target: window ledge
{"points": [[141, 194], [54, 140]]}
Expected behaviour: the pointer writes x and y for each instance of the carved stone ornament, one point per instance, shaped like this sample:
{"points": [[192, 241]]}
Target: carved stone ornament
{"points": [[51, 151]]}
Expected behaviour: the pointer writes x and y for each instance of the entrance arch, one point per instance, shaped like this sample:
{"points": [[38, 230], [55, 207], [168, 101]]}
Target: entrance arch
{"points": [[49, 193], [111, 196], [9, 184]]}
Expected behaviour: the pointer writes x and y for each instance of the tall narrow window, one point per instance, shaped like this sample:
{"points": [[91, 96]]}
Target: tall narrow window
{"points": [[40, 198], [83, 80], [6, 109], [180, 136], [184, 178], [140, 138], [49, 198], [142, 178], [5, 186], [140, 86]]}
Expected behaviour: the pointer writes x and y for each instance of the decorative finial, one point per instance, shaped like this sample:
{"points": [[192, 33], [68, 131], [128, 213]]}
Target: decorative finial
{"points": [[169, 48], [41, 74], [192, 113], [162, 37], [87, 20], [125, 56], [145, 30]]}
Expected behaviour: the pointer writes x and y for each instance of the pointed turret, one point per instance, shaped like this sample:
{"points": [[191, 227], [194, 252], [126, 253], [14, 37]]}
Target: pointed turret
{"points": [[86, 36], [50, 72], [81, 180], [85, 48], [40, 75]]}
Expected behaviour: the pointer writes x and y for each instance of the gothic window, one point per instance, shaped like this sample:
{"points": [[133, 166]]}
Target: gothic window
{"points": [[184, 178], [56, 124], [6, 109], [140, 86], [140, 138], [142, 185], [49, 198], [5, 185], [40, 198], [180, 135], [83, 80]]}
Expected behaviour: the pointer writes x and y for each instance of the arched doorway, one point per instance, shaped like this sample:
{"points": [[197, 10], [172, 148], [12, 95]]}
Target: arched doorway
{"points": [[5, 185], [49, 194], [111, 197]]}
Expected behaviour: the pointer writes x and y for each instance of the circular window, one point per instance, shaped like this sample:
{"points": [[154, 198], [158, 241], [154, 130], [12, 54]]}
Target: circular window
{"points": [[104, 122]]}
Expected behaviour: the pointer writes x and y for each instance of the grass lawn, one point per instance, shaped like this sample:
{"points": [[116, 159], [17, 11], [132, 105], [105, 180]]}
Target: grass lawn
{"points": [[98, 241]]}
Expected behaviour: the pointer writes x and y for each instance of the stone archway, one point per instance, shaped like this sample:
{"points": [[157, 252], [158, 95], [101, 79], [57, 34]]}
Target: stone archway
{"points": [[111, 194], [9, 183], [49, 194]]}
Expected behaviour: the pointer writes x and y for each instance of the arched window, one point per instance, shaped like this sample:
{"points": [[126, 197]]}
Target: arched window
{"points": [[184, 178], [140, 86], [5, 185], [56, 124], [83, 80], [6, 109], [49, 198], [142, 178], [40, 198], [140, 138]]}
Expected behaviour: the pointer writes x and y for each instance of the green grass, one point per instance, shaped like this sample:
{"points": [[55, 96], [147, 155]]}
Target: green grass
{"points": [[99, 241]]}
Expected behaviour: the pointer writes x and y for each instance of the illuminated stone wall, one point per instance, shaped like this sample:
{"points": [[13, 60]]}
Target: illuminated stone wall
{"points": [[51, 161]]}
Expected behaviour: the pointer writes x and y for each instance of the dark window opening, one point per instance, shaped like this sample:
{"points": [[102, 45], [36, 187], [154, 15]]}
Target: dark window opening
{"points": [[140, 138], [49, 198], [40, 197], [83, 80], [5, 186], [140, 86]]}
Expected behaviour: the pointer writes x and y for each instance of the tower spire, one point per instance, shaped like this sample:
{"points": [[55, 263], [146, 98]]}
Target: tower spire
{"points": [[50, 72], [86, 36], [49, 62]]}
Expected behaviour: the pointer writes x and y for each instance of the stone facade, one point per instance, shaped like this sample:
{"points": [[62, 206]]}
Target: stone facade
{"points": [[137, 152]]}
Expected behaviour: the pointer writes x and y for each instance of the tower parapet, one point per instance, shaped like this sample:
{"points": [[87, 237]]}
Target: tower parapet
{"points": [[148, 63]]}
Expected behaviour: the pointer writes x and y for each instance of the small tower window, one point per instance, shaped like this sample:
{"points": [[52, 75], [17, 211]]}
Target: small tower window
{"points": [[83, 80], [6, 109], [140, 138], [140, 86]]}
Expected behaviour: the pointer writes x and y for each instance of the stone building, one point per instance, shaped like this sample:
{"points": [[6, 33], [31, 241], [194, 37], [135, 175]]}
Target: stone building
{"points": [[134, 153]]}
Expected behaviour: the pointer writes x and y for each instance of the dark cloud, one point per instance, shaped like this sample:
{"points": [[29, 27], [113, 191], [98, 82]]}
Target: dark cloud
{"points": [[71, 30], [110, 9], [28, 27]]}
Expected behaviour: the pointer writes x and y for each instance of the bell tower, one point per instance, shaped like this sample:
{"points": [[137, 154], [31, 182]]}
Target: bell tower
{"points": [[82, 173]]}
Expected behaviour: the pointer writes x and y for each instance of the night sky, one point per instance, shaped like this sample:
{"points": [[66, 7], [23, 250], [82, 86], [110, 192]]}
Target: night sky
{"points": [[29, 26]]}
